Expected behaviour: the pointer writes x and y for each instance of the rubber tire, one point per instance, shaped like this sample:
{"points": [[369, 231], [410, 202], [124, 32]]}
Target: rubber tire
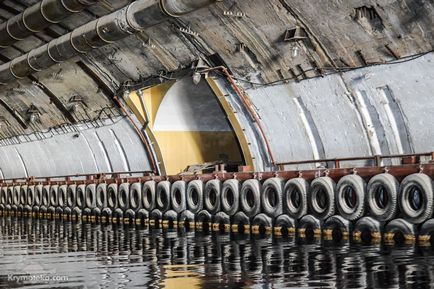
{"points": [[204, 218], [156, 216], [254, 187], [222, 221], [272, 185], [112, 196], [427, 229], [338, 222], [230, 205], [327, 186], [54, 195], [30, 196], [118, 215], [391, 188], [130, 214], [368, 224], [286, 224], [46, 196], [358, 186], [10, 196], [71, 196], [310, 222], [16, 195], [143, 216], [179, 191], [300, 187], [106, 213], [63, 192], [23, 195], [90, 197], [163, 196], [172, 217], [212, 196], [187, 220], [3, 195], [241, 223], [425, 185], [148, 199], [124, 196], [38, 195], [101, 196], [402, 226], [194, 204], [81, 196], [135, 196], [265, 224]]}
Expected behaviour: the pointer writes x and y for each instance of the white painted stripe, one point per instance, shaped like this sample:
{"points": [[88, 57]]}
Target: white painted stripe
{"points": [[392, 121], [368, 124], [308, 129]]}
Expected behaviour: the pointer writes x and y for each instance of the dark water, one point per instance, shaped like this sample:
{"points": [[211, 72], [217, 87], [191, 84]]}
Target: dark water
{"points": [[43, 254]]}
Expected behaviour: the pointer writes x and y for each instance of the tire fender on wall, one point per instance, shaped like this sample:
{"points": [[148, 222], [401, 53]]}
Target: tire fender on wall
{"points": [[230, 197], [295, 198], [178, 197], [382, 197], [250, 197], [416, 186], [271, 197], [351, 197], [322, 198]]}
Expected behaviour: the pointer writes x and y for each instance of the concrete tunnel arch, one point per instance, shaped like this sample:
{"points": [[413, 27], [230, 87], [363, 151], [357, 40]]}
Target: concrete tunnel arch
{"points": [[187, 124]]}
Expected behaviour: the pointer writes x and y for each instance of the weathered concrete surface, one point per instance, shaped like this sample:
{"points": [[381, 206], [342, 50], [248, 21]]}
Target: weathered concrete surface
{"points": [[114, 147], [384, 110]]}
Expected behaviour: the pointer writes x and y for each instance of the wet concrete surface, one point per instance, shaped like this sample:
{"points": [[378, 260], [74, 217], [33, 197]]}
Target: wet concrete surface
{"points": [[46, 254]]}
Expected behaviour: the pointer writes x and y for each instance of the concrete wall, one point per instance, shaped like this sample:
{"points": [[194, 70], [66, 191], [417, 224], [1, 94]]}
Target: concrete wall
{"points": [[387, 109], [113, 147]]}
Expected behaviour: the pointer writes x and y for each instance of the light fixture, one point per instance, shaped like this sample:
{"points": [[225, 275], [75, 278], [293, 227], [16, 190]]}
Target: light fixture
{"points": [[197, 77], [295, 51]]}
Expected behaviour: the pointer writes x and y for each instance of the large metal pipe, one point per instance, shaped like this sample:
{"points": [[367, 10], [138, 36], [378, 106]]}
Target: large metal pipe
{"points": [[137, 16], [38, 17]]}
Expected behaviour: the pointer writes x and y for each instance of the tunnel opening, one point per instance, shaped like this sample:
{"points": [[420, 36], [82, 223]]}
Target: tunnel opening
{"points": [[195, 117]]}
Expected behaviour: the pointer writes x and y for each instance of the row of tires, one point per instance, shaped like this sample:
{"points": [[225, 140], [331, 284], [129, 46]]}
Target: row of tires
{"points": [[382, 198], [333, 228]]}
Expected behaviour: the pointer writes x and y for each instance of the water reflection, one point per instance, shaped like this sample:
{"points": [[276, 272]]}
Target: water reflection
{"points": [[94, 256]]}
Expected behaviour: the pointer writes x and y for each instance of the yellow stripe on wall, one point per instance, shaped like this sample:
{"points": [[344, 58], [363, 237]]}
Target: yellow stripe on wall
{"points": [[183, 148]]}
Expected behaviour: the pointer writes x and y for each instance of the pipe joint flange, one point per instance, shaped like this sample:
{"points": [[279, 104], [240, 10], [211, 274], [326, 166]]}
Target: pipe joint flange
{"points": [[23, 19], [49, 46], [11, 69], [9, 32], [71, 9], [41, 9], [101, 37], [71, 40], [164, 9], [29, 56]]}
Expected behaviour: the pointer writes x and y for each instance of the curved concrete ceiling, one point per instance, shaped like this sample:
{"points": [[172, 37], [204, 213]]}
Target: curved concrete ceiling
{"points": [[253, 38]]}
